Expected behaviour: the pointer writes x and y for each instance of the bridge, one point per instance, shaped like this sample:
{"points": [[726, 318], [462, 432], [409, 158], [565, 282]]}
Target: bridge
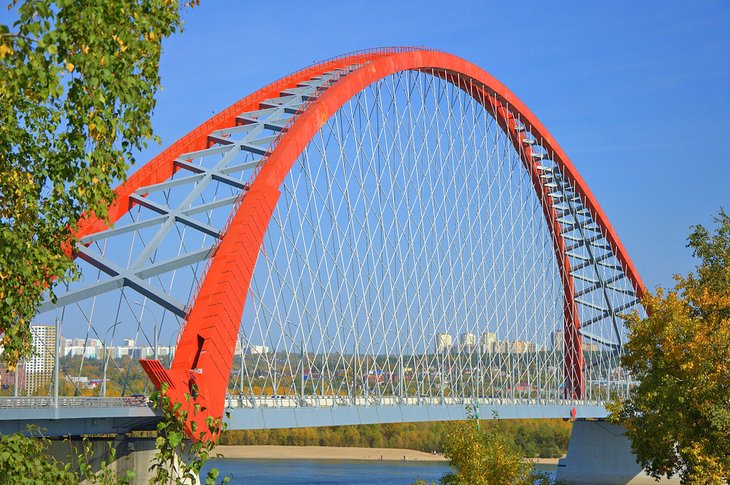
{"points": [[389, 235]]}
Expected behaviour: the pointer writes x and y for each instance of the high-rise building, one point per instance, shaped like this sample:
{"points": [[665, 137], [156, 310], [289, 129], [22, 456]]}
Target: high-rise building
{"points": [[257, 349], [487, 342], [467, 342], [39, 368], [86, 352], [443, 343], [558, 340], [522, 347]]}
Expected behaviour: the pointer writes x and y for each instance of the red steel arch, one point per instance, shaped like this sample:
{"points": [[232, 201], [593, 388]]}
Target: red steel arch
{"points": [[205, 350]]}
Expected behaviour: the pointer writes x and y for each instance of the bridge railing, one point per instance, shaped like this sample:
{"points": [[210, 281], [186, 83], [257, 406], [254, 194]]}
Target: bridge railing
{"points": [[252, 402], [74, 402]]}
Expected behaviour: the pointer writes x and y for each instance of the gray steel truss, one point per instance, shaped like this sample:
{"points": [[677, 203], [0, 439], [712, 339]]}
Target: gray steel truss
{"points": [[254, 134]]}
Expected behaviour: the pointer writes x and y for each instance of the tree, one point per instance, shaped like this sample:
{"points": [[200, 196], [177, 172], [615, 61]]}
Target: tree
{"points": [[678, 417], [484, 457], [76, 98], [26, 459], [21, 456]]}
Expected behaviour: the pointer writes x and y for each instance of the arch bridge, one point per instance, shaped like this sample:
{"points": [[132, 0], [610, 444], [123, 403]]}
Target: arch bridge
{"points": [[388, 235]]}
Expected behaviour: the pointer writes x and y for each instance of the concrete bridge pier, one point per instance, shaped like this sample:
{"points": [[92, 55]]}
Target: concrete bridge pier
{"points": [[130, 454], [599, 453]]}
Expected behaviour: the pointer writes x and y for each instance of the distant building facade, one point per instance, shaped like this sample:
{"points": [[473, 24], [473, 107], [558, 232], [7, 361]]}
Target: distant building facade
{"points": [[487, 341], [558, 341], [444, 342], [39, 368], [94, 349], [467, 342]]}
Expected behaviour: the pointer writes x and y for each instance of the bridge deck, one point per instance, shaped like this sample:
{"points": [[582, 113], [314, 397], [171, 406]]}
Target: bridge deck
{"points": [[77, 416]]}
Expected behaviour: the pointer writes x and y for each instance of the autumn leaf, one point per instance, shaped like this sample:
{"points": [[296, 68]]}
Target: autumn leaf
{"points": [[678, 417]]}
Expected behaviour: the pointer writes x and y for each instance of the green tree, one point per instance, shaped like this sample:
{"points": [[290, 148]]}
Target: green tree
{"points": [[546, 438], [483, 457], [23, 458], [77, 93], [678, 417], [26, 460]]}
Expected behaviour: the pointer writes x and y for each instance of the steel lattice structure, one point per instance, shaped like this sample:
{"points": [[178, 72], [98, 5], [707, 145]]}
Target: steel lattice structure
{"points": [[391, 227]]}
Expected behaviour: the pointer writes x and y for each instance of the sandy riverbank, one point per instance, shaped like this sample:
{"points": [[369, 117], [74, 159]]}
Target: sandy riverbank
{"points": [[335, 453], [544, 461], [324, 453]]}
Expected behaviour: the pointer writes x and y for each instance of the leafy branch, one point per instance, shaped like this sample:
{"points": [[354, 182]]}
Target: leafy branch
{"points": [[179, 460]]}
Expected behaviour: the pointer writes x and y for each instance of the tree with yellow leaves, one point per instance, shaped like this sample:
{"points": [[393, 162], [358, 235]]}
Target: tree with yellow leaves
{"points": [[678, 417], [486, 456]]}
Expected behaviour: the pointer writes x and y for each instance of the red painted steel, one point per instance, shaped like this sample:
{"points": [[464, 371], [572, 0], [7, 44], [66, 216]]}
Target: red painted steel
{"points": [[204, 357], [474, 80], [572, 342], [162, 166]]}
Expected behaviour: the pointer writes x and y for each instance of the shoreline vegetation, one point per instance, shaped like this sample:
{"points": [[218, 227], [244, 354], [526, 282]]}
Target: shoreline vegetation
{"points": [[537, 438], [283, 452]]}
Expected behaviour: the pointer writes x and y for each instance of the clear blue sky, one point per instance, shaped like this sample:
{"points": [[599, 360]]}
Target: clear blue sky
{"points": [[635, 92]]}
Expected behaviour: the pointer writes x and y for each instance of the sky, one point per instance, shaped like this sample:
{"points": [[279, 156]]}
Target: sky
{"points": [[636, 93]]}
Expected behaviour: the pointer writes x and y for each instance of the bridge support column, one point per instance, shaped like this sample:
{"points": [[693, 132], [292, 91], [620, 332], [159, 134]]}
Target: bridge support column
{"points": [[599, 453], [130, 454]]}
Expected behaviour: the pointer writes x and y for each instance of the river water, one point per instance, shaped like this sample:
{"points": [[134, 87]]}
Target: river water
{"points": [[329, 472]]}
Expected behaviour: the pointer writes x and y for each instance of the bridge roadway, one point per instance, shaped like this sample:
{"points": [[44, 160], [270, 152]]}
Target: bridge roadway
{"points": [[114, 415]]}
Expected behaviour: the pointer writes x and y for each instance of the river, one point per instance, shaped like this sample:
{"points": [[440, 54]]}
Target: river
{"points": [[329, 472]]}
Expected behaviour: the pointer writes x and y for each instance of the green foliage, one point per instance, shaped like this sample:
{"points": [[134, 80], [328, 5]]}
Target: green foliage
{"points": [[481, 453], [483, 456], [678, 417], [538, 438], [23, 460], [178, 460], [76, 98], [26, 460], [544, 438], [105, 475]]}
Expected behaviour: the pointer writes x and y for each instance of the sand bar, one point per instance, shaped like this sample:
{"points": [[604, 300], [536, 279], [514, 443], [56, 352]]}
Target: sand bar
{"points": [[336, 453], [324, 453]]}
